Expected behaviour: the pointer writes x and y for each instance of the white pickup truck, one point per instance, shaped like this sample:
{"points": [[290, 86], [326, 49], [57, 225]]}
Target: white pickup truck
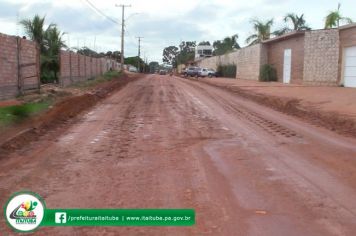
{"points": [[204, 72]]}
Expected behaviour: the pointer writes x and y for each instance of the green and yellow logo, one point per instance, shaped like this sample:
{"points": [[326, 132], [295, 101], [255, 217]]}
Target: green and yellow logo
{"points": [[24, 214], [24, 211]]}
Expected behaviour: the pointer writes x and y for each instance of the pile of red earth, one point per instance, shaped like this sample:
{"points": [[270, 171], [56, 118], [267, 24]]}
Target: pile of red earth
{"points": [[61, 113]]}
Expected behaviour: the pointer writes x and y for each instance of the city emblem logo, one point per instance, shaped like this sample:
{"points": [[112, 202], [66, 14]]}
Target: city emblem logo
{"points": [[25, 211]]}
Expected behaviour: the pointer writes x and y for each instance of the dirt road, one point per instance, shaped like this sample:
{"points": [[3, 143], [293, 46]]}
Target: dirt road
{"points": [[165, 142]]}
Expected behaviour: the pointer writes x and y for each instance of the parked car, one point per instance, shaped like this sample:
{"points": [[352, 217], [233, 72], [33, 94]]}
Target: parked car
{"points": [[205, 72], [163, 72], [192, 71], [133, 69]]}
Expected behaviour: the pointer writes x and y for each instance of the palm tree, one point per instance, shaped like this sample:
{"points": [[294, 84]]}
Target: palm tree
{"points": [[263, 31], [53, 40], [297, 21], [34, 29], [228, 44], [50, 43], [53, 43], [334, 18]]}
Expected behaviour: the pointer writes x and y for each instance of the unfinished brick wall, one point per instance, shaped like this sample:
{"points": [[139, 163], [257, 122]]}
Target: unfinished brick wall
{"points": [[19, 66], [76, 68], [321, 57]]}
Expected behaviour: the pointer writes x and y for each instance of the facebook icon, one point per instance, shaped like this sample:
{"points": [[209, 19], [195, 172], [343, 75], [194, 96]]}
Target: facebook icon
{"points": [[60, 217]]}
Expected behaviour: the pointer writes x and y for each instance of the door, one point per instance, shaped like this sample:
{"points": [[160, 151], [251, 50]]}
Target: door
{"points": [[287, 66], [350, 67]]}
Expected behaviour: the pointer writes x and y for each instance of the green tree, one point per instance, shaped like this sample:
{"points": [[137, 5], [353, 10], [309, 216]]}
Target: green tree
{"points": [[226, 45], [88, 52], [186, 52], [204, 43], [262, 31], [53, 43], [298, 23], [117, 56], [134, 62], [334, 18], [170, 55], [34, 30], [50, 43]]}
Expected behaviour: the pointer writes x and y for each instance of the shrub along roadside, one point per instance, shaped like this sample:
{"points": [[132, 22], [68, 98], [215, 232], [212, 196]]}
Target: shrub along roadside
{"points": [[228, 71], [268, 73]]}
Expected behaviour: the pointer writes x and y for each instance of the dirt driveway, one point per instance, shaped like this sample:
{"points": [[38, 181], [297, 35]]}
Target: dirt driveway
{"points": [[164, 142]]}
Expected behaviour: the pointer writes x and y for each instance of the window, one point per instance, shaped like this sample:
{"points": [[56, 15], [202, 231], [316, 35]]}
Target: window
{"points": [[207, 52]]}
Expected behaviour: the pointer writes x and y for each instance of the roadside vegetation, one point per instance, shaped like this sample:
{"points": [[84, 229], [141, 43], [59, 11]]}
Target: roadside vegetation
{"points": [[50, 42], [268, 73], [228, 71], [14, 114], [108, 76]]}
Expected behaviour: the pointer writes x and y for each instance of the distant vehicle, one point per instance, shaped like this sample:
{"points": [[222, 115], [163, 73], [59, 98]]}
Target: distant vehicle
{"points": [[205, 72], [133, 69], [192, 71], [163, 72]]}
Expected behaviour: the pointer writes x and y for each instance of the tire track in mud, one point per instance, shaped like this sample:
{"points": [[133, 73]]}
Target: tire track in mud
{"points": [[244, 113]]}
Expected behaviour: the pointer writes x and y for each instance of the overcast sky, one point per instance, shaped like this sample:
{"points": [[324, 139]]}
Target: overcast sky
{"points": [[161, 23]]}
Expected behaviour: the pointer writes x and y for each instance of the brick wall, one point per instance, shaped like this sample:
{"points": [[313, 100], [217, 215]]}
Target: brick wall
{"points": [[75, 67], [249, 61], [19, 65], [321, 57], [276, 57], [8, 67]]}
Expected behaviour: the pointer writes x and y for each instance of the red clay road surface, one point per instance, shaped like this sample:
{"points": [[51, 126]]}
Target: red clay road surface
{"points": [[167, 142]]}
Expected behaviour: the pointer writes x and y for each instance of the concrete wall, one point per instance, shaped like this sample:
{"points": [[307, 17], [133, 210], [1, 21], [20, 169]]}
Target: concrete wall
{"points": [[76, 68], [19, 65], [321, 57], [276, 57], [214, 62], [249, 61]]}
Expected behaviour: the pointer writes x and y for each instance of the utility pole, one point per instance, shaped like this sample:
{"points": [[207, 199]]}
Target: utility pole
{"points": [[139, 53], [122, 33]]}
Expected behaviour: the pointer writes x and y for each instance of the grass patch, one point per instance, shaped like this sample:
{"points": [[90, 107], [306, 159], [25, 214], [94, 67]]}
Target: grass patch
{"points": [[108, 76], [12, 114]]}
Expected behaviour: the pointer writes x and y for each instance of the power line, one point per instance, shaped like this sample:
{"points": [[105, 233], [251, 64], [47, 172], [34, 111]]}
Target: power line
{"points": [[98, 11]]}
